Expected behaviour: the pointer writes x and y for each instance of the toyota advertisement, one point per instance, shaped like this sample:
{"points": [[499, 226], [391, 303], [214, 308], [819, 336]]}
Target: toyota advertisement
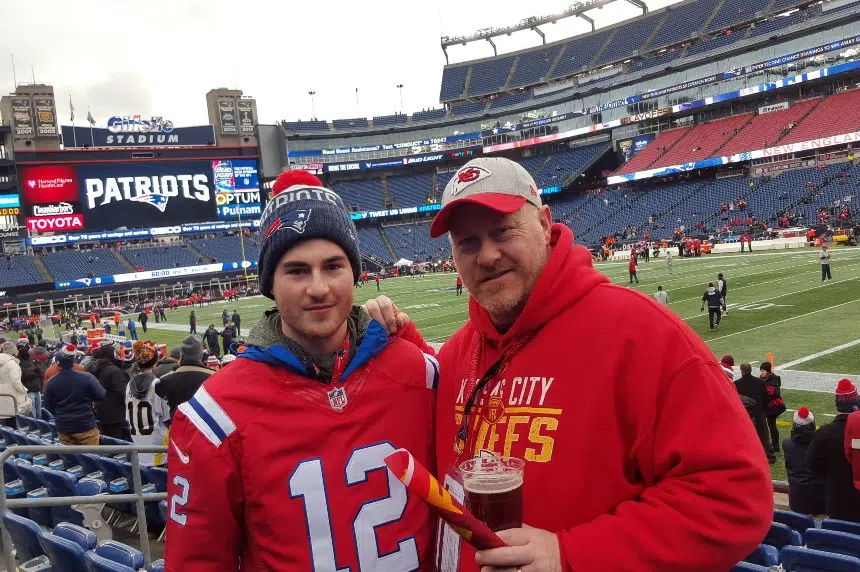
{"points": [[106, 196]]}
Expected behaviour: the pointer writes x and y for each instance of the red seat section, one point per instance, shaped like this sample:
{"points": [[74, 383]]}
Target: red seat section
{"points": [[654, 149], [703, 141], [835, 115], [764, 131]]}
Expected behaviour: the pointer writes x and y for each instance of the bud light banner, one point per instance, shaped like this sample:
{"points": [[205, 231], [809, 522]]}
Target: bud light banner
{"points": [[150, 133], [237, 187]]}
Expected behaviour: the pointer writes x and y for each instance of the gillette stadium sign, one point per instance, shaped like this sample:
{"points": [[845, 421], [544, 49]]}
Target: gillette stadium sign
{"points": [[133, 131], [108, 196]]}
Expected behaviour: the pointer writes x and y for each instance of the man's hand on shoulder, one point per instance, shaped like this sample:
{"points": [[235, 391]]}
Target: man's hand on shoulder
{"points": [[385, 311], [528, 550]]}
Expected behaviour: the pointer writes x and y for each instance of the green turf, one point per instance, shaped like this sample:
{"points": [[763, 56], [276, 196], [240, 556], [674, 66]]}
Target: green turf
{"points": [[777, 304]]}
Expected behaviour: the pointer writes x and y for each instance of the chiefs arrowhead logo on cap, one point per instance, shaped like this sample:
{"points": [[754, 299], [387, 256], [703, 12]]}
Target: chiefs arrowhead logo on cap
{"points": [[467, 176]]}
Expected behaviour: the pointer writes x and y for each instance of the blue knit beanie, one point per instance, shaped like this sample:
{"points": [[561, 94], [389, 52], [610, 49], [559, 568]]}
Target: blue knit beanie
{"points": [[301, 209]]}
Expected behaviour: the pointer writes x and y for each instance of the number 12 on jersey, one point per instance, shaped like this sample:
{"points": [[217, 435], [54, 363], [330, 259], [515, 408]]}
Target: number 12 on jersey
{"points": [[308, 482]]}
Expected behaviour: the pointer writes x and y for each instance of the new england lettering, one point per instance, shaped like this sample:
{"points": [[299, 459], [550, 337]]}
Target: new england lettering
{"points": [[121, 188]]}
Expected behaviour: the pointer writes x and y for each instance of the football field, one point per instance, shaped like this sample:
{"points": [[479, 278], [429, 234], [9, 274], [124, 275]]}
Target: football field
{"points": [[777, 304]]}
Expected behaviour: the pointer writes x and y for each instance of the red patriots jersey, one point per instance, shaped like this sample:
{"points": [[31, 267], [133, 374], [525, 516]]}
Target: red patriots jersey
{"points": [[272, 470]]}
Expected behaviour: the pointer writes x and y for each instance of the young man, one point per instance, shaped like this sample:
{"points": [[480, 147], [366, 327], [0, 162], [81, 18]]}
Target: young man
{"points": [[148, 414], [70, 397], [661, 296], [723, 289], [824, 258], [277, 462], [715, 304]]}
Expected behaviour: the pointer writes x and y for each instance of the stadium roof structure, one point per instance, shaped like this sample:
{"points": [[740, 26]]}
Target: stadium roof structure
{"points": [[577, 9]]}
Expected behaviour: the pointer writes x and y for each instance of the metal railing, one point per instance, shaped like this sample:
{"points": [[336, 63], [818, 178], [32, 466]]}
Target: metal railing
{"points": [[136, 497]]}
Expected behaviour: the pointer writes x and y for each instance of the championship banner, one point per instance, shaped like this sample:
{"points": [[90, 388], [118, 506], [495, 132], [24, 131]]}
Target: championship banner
{"points": [[246, 116], [22, 118], [422, 484], [46, 117], [227, 116]]}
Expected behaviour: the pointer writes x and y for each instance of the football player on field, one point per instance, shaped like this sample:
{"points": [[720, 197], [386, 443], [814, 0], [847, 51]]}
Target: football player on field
{"points": [[277, 461]]}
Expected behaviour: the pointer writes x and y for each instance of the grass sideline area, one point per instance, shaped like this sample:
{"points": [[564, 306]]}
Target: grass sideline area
{"points": [[777, 303]]}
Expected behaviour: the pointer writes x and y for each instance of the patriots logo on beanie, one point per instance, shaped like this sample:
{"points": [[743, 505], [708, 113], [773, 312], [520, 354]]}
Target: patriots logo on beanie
{"points": [[300, 209], [847, 400]]}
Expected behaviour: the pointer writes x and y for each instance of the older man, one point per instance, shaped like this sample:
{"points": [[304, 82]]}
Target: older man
{"points": [[625, 468]]}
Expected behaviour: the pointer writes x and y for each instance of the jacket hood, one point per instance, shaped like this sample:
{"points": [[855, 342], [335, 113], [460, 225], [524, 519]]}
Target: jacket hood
{"points": [[711, 290], [140, 384], [96, 366], [567, 277], [265, 343]]}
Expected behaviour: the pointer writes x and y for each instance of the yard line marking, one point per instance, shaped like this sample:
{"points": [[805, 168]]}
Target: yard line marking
{"points": [[781, 321], [811, 357]]}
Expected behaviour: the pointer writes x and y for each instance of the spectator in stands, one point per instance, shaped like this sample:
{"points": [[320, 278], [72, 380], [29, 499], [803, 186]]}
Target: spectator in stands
{"points": [[32, 373], [210, 340], [70, 396], [824, 258], [775, 405], [755, 389], [826, 457], [529, 287], [148, 414], [237, 322], [168, 364], [111, 412], [10, 377], [181, 384], [806, 490]]}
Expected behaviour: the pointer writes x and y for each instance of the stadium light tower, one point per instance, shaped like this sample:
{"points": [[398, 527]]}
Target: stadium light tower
{"points": [[400, 88], [313, 108]]}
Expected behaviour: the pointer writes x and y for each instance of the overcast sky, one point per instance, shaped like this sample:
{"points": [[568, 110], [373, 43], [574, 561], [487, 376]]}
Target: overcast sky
{"points": [[160, 57]]}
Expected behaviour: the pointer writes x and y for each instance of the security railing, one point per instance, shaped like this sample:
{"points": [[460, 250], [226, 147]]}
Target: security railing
{"points": [[136, 496]]}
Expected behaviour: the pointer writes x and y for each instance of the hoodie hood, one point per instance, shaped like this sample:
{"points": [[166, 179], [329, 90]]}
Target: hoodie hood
{"points": [[567, 277], [140, 383], [267, 343], [711, 290], [96, 366]]}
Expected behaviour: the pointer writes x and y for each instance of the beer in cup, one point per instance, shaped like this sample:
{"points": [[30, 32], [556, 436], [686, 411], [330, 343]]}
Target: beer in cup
{"points": [[494, 490]]}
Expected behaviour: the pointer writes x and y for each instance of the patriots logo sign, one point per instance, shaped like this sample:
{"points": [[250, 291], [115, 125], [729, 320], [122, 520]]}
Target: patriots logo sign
{"points": [[157, 200], [295, 220]]}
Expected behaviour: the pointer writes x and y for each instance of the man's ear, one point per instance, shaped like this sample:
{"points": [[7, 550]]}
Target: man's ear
{"points": [[545, 222]]}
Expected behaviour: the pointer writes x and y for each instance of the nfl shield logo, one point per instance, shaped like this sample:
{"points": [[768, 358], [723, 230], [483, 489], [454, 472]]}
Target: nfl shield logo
{"points": [[337, 398]]}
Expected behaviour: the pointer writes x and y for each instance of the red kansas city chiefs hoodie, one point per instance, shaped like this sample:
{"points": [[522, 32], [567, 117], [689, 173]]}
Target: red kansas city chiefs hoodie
{"points": [[639, 454]]}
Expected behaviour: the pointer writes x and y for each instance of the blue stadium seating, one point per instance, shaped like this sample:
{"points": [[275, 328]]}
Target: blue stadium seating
{"points": [[153, 258], [120, 553], [490, 76], [833, 541], [371, 244], [797, 559], [841, 525], [775, 24], [224, 248], [84, 538], [681, 22], [364, 193], [25, 536], [98, 563], [453, 82], [713, 44], [65, 555], [794, 520], [72, 264], [396, 119], [781, 535], [735, 12], [580, 51], [533, 66], [625, 44], [19, 270], [747, 567], [429, 115], [410, 190], [350, 124], [468, 108], [305, 126], [764, 555], [510, 99], [411, 241], [779, 5]]}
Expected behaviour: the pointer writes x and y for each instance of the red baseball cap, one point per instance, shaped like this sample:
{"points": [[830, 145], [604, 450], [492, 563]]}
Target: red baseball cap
{"points": [[499, 184]]}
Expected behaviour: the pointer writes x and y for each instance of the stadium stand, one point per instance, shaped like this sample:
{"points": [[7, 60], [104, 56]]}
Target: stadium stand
{"points": [[733, 12], [646, 157], [680, 23], [580, 52], [626, 44], [468, 108], [73, 264], [411, 241], [305, 126], [429, 115], [453, 82], [703, 141], [372, 245], [533, 66], [490, 76], [19, 270], [819, 123], [350, 124], [410, 190], [712, 44], [366, 194], [396, 119], [227, 248], [510, 99], [766, 129], [777, 23], [153, 258]]}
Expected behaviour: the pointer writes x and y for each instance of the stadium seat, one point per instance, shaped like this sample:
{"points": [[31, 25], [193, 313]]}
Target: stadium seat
{"points": [[157, 566], [781, 535], [78, 534], [121, 554], [25, 536], [833, 541], [19, 270], [797, 559], [841, 525], [98, 563], [65, 555], [157, 476], [748, 567], [34, 485], [764, 555], [794, 520]]}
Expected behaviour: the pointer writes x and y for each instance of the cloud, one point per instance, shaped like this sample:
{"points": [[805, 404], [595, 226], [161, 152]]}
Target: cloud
{"points": [[119, 93]]}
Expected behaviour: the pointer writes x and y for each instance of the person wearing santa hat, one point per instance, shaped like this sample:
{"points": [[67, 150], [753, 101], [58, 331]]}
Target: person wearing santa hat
{"points": [[806, 493], [71, 396], [826, 457], [279, 458]]}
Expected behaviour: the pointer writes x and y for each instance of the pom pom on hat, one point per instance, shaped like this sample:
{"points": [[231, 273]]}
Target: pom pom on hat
{"points": [[728, 360], [803, 417], [847, 400], [293, 178], [66, 355]]}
